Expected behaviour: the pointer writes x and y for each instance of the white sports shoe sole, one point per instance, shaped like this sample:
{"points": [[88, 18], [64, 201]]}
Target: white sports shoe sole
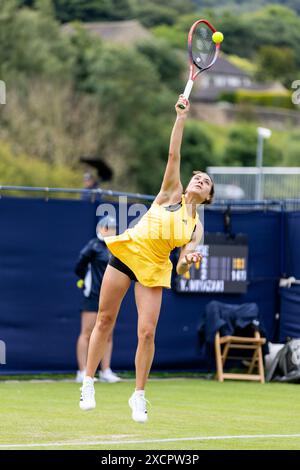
{"points": [[87, 406]]}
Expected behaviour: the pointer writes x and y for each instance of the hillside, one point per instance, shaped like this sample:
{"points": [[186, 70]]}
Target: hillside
{"points": [[245, 5], [82, 94]]}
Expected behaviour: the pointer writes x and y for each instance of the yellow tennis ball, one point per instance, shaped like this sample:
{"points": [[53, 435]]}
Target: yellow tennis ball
{"points": [[80, 283], [217, 37]]}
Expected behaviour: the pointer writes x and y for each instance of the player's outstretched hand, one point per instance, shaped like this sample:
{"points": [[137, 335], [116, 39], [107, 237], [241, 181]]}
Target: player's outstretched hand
{"points": [[186, 104], [193, 258]]}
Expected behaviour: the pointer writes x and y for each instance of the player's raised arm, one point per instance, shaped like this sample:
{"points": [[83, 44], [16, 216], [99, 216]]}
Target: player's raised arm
{"points": [[171, 182]]}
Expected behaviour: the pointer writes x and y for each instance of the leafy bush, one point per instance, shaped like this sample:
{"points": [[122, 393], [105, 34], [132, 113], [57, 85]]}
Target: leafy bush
{"points": [[197, 150], [50, 121], [169, 66], [259, 98], [240, 149], [22, 170], [31, 44]]}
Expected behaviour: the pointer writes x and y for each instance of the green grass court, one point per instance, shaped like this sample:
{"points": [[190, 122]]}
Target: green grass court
{"points": [[183, 413]]}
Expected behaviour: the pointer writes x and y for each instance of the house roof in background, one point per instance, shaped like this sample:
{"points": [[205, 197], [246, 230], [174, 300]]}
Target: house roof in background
{"points": [[120, 32], [224, 67]]}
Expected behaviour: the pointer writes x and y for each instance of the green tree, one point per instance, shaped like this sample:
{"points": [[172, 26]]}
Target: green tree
{"points": [[273, 25], [171, 34], [154, 12], [50, 121], [31, 43], [86, 50], [277, 26], [292, 149], [46, 7], [20, 169], [238, 6], [125, 81], [276, 63], [241, 148], [92, 10], [239, 36], [170, 66], [128, 85], [152, 15], [197, 150]]}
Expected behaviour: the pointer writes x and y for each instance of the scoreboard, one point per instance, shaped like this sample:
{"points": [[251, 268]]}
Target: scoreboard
{"points": [[223, 268]]}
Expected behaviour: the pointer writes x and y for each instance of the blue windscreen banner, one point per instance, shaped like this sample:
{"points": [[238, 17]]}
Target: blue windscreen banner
{"points": [[40, 304], [289, 325], [292, 233], [289, 313]]}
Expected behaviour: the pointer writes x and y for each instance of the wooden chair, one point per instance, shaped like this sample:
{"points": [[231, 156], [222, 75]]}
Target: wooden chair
{"points": [[224, 343]]}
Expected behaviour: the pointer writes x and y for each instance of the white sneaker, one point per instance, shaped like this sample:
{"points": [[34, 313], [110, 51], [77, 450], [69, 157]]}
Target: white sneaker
{"points": [[137, 403], [87, 398], [108, 376], [80, 376]]}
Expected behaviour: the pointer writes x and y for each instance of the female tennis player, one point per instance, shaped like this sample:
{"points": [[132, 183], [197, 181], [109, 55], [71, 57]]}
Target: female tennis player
{"points": [[142, 254]]}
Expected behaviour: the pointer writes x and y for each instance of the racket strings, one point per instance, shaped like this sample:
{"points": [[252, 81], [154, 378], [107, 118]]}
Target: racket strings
{"points": [[203, 47]]}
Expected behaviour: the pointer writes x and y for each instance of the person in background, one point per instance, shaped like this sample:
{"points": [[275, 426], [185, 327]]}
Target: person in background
{"points": [[90, 182], [90, 268]]}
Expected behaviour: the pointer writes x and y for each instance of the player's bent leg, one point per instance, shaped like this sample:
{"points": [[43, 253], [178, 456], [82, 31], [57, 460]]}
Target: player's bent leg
{"points": [[113, 289], [148, 301]]}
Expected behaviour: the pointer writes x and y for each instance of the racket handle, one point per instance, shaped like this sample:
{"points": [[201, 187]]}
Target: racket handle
{"points": [[187, 92]]}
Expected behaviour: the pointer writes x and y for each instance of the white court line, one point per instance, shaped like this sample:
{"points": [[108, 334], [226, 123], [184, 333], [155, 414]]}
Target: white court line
{"points": [[150, 441]]}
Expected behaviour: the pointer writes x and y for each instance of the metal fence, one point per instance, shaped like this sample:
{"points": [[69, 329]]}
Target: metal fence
{"points": [[91, 195], [101, 195], [252, 183]]}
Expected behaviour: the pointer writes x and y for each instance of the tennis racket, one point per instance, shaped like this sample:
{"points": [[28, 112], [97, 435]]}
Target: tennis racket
{"points": [[203, 52]]}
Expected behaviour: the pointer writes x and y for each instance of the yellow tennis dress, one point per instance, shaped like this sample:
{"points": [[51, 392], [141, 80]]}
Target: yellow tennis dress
{"points": [[146, 247]]}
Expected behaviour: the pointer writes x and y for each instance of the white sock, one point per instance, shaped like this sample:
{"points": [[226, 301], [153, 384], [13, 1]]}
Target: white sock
{"points": [[140, 393], [88, 380]]}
